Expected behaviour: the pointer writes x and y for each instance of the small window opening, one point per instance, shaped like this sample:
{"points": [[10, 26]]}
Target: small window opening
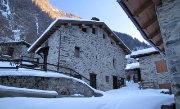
{"points": [[84, 30], [112, 43], [93, 30], [104, 36], [107, 78], [77, 52], [114, 63]]}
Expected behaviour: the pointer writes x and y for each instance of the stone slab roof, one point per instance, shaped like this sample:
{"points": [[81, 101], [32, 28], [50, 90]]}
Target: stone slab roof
{"points": [[76, 22]]}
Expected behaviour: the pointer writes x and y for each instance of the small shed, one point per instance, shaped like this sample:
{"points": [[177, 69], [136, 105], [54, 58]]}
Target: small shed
{"points": [[133, 70], [14, 49], [153, 67]]}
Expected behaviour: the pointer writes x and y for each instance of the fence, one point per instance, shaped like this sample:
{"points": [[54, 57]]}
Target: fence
{"points": [[33, 63]]}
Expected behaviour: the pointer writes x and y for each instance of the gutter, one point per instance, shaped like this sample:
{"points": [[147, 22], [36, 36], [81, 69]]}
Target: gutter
{"points": [[137, 25]]}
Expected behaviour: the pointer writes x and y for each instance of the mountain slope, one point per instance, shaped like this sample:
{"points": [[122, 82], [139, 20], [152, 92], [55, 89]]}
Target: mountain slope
{"points": [[27, 19], [133, 43]]}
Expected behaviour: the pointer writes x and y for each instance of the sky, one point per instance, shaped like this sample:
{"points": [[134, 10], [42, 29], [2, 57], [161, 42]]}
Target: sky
{"points": [[108, 11]]}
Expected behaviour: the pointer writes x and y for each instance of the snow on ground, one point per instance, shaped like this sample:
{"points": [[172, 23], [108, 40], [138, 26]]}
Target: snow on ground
{"points": [[129, 97]]}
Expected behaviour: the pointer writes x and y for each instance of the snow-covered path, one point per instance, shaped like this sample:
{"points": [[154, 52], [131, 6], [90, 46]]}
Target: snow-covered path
{"points": [[129, 97]]}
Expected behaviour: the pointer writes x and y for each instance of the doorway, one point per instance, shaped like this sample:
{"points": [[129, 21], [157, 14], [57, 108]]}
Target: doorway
{"points": [[93, 80], [115, 82]]}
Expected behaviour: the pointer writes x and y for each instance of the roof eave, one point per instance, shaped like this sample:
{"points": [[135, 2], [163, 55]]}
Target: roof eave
{"points": [[137, 25], [146, 54]]}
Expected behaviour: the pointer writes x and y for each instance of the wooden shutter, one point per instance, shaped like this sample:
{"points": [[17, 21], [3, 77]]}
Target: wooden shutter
{"points": [[161, 66]]}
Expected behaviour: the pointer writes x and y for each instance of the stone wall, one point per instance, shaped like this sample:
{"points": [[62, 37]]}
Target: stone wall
{"points": [[97, 52], [19, 50], [169, 20], [63, 86], [149, 72]]}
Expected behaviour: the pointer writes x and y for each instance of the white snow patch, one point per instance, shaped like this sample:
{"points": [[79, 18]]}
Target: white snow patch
{"points": [[7, 11], [132, 66], [129, 97], [144, 51], [16, 34], [37, 25]]}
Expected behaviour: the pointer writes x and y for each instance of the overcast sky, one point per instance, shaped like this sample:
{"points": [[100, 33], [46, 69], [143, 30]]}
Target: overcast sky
{"points": [[108, 11]]}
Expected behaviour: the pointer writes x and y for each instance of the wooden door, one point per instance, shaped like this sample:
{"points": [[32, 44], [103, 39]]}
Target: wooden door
{"points": [[115, 82], [93, 80]]}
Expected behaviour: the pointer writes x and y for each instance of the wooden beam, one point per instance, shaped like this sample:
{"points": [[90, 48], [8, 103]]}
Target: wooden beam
{"points": [[101, 26], [149, 22], [81, 25], [159, 42], [157, 2], [156, 39], [154, 34], [67, 25], [92, 26], [142, 8], [111, 34], [161, 46]]}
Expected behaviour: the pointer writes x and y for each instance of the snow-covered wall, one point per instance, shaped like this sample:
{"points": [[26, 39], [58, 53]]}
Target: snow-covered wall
{"points": [[63, 86], [99, 54]]}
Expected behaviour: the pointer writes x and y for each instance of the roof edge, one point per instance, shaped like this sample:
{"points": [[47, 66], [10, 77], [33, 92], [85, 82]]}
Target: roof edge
{"points": [[137, 25]]}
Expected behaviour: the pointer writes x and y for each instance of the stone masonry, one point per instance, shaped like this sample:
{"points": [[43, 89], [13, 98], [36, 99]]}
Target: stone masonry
{"points": [[19, 50], [169, 20], [149, 72], [99, 53], [63, 86]]}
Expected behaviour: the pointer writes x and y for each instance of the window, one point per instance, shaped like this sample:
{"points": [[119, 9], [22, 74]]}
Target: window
{"points": [[104, 36], [161, 66], [84, 30], [114, 63], [107, 78], [93, 30], [111, 42], [77, 51]]}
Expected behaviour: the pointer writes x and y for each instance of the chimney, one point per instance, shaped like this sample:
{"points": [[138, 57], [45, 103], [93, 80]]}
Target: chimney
{"points": [[95, 18]]}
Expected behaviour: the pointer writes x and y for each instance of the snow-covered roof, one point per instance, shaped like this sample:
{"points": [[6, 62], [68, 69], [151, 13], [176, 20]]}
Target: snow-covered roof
{"points": [[144, 52], [132, 66], [66, 21]]}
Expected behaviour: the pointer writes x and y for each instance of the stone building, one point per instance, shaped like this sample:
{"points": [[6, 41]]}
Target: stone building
{"points": [[153, 67], [88, 47], [158, 22], [14, 50], [133, 69]]}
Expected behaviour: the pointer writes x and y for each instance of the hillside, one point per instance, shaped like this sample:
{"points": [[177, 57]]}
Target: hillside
{"points": [[133, 43], [27, 19]]}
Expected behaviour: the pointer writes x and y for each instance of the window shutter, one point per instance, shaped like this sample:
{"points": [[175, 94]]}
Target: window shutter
{"points": [[161, 66]]}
